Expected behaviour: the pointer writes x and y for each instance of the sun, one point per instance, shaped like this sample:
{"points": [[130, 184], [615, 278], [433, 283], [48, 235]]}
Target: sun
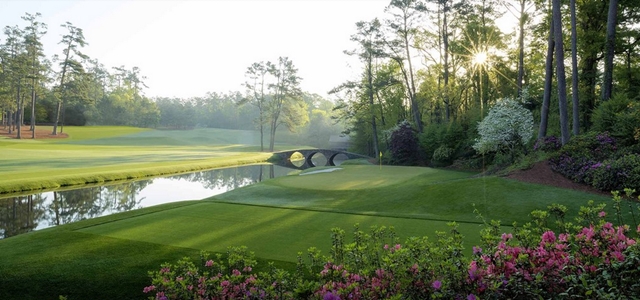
{"points": [[479, 58]]}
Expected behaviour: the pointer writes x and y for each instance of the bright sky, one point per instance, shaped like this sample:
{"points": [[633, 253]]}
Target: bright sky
{"points": [[188, 48]]}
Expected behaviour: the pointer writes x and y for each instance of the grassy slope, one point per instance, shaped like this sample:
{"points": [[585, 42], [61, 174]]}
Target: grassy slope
{"points": [[97, 154], [410, 193], [276, 219]]}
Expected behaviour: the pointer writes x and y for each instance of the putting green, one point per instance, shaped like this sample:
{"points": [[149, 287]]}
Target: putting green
{"points": [[364, 177]]}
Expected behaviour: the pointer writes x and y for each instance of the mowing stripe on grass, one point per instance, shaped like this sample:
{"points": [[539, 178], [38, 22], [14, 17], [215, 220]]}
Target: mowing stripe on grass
{"points": [[273, 233]]}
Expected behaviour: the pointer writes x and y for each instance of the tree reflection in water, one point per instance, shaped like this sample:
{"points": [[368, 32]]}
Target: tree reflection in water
{"points": [[22, 214]]}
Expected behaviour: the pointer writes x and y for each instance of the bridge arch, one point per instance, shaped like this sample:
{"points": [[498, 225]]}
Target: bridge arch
{"points": [[329, 154]]}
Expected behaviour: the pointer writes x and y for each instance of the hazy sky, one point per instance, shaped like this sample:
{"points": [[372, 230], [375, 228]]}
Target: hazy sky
{"points": [[188, 48]]}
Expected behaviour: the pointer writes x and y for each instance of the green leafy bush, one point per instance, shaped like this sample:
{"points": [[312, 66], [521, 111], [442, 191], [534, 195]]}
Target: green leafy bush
{"points": [[547, 144], [615, 175], [443, 154], [457, 136], [620, 116]]}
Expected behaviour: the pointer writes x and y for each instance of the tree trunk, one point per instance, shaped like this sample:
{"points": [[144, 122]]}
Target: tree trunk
{"points": [[548, 83], [374, 129], [588, 78], [261, 107], [261, 134], [62, 123], [64, 73], [33, 110], [574, 71], [415, 108], [272, 135], [10, 121], [445, 41], [18, 113], [55, 124], [562, 84], [612, 21], [521, 49]]}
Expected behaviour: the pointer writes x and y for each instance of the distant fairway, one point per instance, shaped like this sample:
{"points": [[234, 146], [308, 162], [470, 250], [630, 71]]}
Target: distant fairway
{"points": [[97, 154]]}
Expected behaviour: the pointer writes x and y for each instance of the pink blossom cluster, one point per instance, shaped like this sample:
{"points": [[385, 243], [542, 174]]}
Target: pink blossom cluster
{"points": [[551, 261], [217, 287], [508, 271]]}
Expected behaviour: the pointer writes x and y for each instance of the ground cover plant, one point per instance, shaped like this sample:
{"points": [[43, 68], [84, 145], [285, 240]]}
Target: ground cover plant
{"points": [[108, 258]]}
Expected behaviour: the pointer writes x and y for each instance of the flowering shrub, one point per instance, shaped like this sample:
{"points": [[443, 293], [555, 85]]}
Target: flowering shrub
{"points": [[547, 144], [615, 175], [596, 260], [579, 159], [218, 279], [507, 125]]}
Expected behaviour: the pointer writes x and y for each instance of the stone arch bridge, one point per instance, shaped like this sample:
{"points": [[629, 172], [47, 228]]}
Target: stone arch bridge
{"points": [[285, 157]]}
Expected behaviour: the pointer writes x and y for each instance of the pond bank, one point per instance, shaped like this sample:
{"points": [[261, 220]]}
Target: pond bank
{"points": [[80, 176]]}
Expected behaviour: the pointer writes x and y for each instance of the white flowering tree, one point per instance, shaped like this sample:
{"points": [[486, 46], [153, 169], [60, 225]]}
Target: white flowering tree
{"points": [[507, 126]]}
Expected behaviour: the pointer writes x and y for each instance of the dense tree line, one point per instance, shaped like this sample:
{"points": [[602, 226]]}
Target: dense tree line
{"points": [[74, 89], [448, 62], [68, 88]]}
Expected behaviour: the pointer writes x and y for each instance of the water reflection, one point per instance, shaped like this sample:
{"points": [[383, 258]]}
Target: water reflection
{"points": [[22, 214]]}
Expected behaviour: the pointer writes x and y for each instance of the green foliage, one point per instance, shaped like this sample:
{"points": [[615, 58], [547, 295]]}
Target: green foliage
{"points": [[453, 141], [507, 126], [619, 116], [593, 145], [443, 154], [594, 159], [617, 174]]}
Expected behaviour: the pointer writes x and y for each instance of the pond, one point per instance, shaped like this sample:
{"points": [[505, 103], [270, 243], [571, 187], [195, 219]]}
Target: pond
{"points": [[29, 212]]}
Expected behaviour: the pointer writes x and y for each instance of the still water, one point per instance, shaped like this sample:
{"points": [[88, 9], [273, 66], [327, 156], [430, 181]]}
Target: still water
{"points": [[29, 212]]}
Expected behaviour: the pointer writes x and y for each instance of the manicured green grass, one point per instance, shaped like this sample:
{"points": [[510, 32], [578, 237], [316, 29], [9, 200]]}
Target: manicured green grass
{"points": [[98, 154], [108, 257], [80, 133], [65, 261], [411, 193], [275, 233]]}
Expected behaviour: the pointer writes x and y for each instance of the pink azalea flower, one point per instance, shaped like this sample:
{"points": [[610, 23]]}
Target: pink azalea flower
{"points": [[149, 289], [436, 284], [471, 297], [549, 237]]}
